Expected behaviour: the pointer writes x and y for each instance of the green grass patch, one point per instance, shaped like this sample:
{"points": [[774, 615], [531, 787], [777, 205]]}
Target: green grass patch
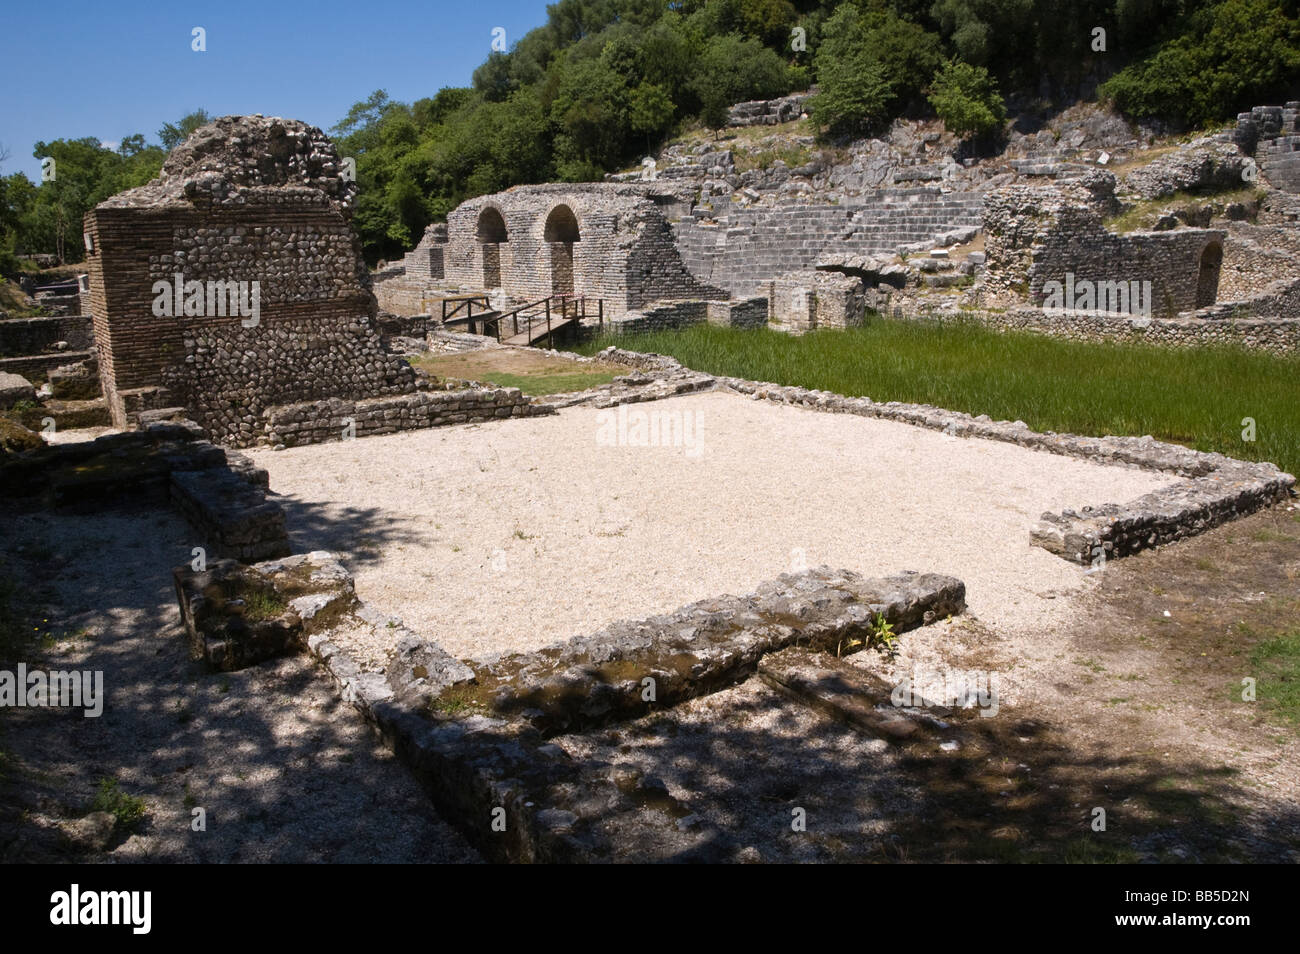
{"points": [[1144, 213], [792, 154], [1192, 396], [540, 385], [262, 604], [1276, 665], [127, 809]]}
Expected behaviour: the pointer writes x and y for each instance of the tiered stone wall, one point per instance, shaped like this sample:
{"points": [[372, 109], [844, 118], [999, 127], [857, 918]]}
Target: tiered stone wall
{"points": [[742, 249], [221, 493], [31, 336], [1272, 135], [769, 112]]}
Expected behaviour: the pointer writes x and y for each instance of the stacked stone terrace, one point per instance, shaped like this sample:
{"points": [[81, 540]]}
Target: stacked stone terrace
{"points": [[1271, 133], [742, 249]]}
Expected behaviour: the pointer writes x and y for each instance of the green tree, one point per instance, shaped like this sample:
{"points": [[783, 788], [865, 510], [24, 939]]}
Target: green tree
{"points": [[1230, 55], [967, 100], [173, 134], [859, 80], [590, 113], [733, 69], [650, 111]]}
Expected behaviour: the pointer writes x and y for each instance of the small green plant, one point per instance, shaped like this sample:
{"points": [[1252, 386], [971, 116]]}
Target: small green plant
{"points": [[450, 706], [262, 604], [128, 810], [882, 635]]}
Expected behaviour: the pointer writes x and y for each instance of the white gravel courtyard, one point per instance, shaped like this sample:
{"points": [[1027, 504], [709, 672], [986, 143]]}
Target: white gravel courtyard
{"points": [[507, 536]]}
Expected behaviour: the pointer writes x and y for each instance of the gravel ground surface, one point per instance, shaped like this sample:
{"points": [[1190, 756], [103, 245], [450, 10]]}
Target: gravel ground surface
{"points": [[284, 770], [509, 536]]}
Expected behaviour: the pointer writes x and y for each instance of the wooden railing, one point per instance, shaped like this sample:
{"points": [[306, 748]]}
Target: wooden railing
{"points": [[540, 319], [459, 310]]}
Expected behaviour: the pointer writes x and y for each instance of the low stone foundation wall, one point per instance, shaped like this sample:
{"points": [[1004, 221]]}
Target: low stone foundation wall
{"points": [[221, 493], [1280, 336], [76, 381], [236, 616], [476, 739], [666, 316], [35, 367], [402, 326], [1213, 488], [233, 514], [316, 422], [32, 336], [742, 313], [661, 317]]}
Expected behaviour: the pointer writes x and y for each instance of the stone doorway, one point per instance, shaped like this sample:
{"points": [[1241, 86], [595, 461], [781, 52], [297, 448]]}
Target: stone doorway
{"points": [[561, 233], [1207, 279], [491, 236]]}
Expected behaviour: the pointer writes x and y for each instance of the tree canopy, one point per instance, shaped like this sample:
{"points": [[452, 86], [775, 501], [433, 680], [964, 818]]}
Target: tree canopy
{"points": [[602, 82]]}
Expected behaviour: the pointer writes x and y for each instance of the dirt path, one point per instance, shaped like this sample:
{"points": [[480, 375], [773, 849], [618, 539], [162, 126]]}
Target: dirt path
{"points": [[1121, 708], [282, 768], [1132, 710]]}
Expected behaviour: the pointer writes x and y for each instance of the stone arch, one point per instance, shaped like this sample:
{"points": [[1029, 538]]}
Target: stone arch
{"points": [[561, 225], [491, 234], [492, 226], [1207, 277], [560, 233]]}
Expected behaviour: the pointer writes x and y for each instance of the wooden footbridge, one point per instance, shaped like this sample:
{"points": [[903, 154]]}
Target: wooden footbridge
{"points": [[544, 321]]}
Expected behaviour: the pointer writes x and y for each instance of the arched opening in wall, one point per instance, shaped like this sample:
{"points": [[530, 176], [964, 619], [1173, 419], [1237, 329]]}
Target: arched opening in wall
{"points": [[1207, 279], [560, 233], [491, 235]]}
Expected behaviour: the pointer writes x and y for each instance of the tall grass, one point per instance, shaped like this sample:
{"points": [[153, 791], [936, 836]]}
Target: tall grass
{"points": [[1193, 396]]}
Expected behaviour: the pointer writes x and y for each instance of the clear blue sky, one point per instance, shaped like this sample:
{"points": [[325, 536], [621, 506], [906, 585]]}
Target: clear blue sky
{"points": [[109, 68]]}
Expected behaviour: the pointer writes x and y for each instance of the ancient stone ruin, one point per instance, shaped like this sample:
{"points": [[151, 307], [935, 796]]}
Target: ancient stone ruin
{"points": [[611, 242], [1036, 236], [233, 282]]}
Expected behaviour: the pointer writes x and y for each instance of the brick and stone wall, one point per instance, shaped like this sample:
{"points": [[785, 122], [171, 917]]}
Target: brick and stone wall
{"points": [[1040, 234], [245, 199], [316, 422], [599, 240], [805, 300]]}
